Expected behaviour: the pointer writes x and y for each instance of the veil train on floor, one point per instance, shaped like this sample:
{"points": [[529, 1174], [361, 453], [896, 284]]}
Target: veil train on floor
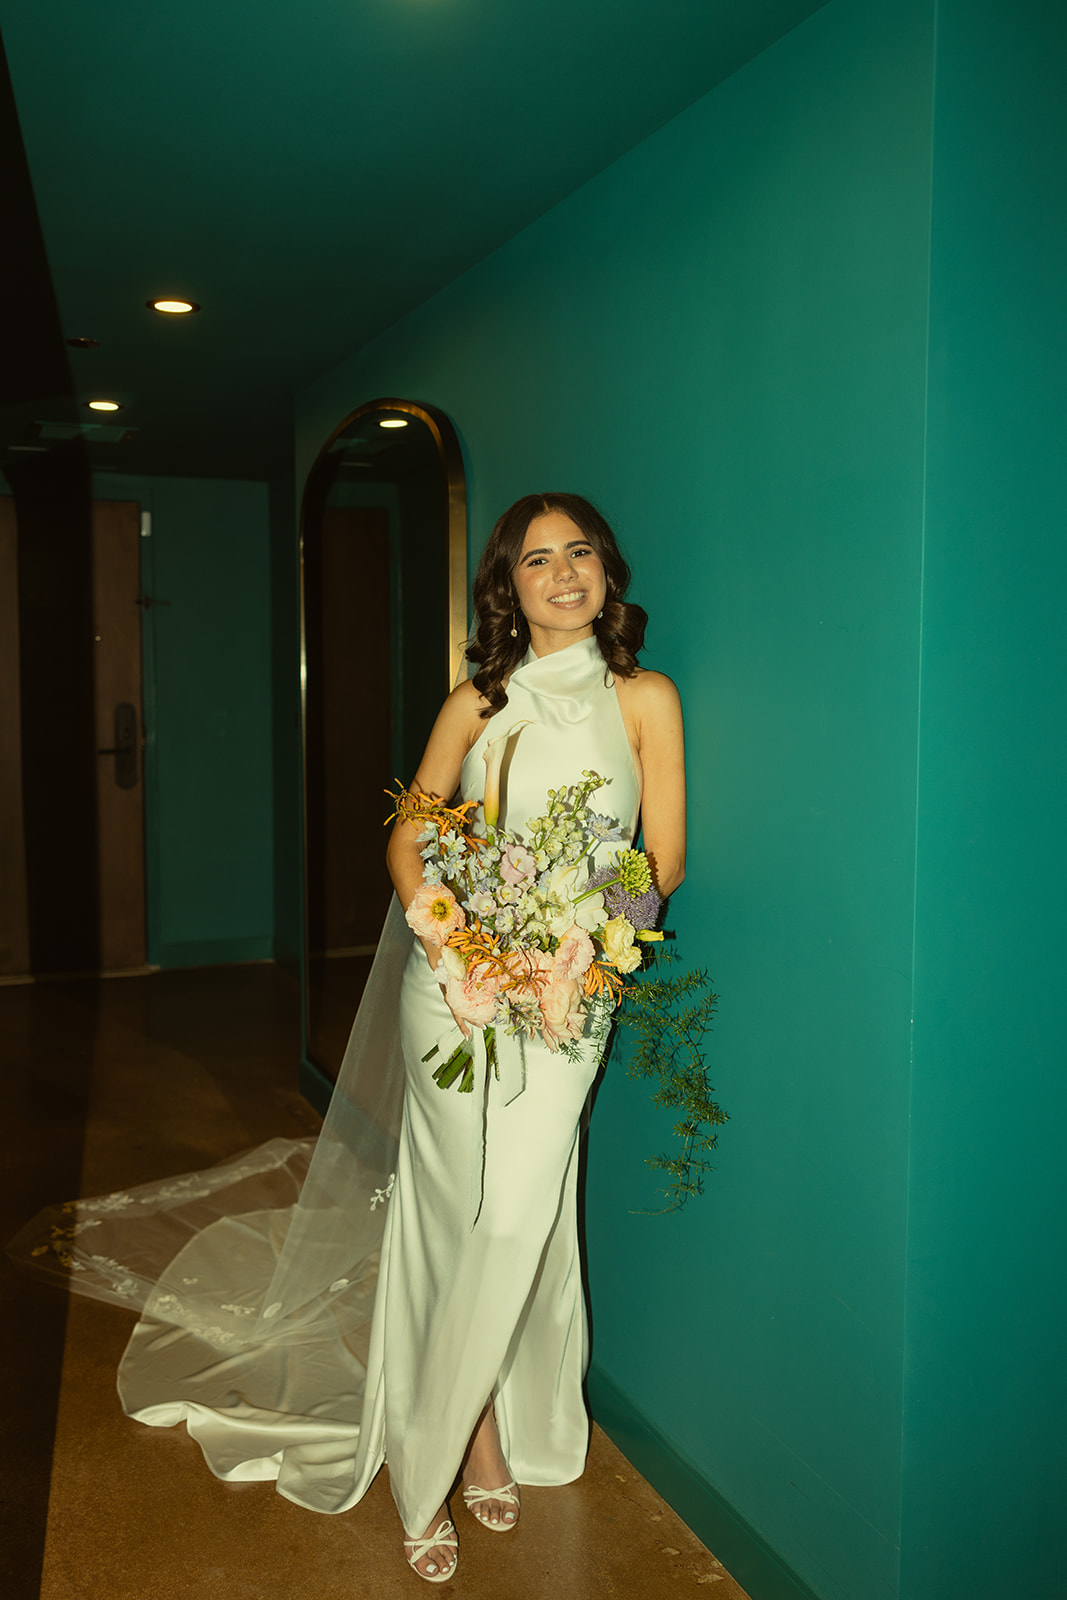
{"points": [[275, 1245]]}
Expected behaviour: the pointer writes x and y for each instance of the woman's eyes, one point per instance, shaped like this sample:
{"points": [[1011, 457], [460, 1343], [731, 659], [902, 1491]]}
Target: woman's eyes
{"points": [[575, 555]]}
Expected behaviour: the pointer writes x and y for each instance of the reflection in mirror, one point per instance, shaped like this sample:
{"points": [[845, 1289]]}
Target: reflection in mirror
{"points": [[384, 558]]}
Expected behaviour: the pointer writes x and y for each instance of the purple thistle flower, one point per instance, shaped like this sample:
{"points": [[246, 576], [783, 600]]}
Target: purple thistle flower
{"points": [[641, 911]]}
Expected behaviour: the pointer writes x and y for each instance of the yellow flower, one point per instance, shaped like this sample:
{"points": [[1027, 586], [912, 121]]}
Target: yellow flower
{"points": [[619, 949]]}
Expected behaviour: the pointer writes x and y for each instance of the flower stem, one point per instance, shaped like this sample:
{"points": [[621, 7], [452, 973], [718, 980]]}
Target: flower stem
{"points": [[460, 1061], [598, 889]]}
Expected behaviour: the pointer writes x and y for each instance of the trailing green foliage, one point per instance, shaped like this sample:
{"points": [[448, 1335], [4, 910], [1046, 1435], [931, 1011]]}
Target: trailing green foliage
{"points": [[671, 1014]]}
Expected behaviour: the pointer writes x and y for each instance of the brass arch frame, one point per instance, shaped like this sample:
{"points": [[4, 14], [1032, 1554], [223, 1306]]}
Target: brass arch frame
{"points": [[447, 442]]}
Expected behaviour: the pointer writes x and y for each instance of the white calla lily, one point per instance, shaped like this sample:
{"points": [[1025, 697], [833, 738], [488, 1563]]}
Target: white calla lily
{"points": [[493, 756]]}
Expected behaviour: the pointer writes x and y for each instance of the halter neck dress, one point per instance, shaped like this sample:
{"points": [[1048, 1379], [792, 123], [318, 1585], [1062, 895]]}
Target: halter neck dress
{"points": [[496, 1308]]}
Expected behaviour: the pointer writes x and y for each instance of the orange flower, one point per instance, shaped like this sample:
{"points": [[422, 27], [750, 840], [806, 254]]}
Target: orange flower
{"points": [[601, 980], [430, 808]]}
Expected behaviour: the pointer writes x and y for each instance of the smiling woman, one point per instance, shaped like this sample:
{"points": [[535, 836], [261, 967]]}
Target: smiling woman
{"points": [[483, 1219]]}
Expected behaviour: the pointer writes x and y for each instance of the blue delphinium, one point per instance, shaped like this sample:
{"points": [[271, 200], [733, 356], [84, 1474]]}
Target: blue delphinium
{"points": [[605, 830]]}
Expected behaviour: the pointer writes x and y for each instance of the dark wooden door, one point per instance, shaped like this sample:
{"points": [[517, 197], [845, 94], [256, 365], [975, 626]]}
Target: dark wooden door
{"points": [[349, 734], [78, 899], [355, 726]]}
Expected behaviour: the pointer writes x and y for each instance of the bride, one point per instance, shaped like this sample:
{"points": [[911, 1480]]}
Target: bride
{"points": [[503, 1351], [407, 1288]]}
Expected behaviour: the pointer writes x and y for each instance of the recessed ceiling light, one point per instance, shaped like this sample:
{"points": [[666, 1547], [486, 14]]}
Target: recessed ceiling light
{"points": [[173, 308], [103, 405], [393, 422], [84, 344]]}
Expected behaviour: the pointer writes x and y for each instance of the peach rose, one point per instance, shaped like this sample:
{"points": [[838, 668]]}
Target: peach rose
{"points": [[473, 997], [563, 1016], [575, 954], [434, 912]]}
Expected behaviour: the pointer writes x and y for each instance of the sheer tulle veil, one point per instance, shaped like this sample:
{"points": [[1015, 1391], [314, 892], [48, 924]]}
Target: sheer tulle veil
{"points": [[279, 1243]]}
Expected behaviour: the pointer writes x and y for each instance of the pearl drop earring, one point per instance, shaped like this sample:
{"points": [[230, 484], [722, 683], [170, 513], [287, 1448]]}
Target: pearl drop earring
{"points": [[514, 630]]}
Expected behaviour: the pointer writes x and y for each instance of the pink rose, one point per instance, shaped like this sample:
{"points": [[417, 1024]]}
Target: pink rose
{"points": [[574, 956], [562, 1013], [435, 912]]}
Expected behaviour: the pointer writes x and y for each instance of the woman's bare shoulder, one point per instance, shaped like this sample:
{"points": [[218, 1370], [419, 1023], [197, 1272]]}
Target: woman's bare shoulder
{"points": [[462, 711], [465, 695], [650, 692]]}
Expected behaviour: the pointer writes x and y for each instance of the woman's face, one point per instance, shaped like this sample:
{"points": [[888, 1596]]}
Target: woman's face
{"points": [[559, 579]]}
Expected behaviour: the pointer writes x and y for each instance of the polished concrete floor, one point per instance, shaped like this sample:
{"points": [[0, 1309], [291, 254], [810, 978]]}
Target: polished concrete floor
{"points": [[111, 1083]]}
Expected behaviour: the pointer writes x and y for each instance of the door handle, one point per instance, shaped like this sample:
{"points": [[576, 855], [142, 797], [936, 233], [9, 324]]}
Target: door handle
{"points": [[125, 747]]}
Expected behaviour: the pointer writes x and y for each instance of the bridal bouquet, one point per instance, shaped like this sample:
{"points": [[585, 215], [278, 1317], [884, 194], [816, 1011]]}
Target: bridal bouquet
{"points": [[529, 939]]}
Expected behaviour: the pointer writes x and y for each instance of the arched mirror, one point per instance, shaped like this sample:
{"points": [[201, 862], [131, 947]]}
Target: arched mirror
{"points": [[383, 539]]}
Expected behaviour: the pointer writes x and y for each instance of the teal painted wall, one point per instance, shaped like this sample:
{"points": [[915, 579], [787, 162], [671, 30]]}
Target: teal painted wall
{"points": [[985, 1463], [722, 340], [208, 672]]}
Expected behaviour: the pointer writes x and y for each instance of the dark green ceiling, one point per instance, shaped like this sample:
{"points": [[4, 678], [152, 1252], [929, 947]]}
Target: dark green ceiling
{"points": [[309, 170]]}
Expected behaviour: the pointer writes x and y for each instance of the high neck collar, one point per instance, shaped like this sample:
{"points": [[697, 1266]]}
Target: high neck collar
{"points": [[563, 671]]}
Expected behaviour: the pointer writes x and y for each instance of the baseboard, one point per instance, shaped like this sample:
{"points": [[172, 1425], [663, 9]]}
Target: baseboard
{"points": [[745, 1555], [315, 1086], [289, 960], [216, 952]]}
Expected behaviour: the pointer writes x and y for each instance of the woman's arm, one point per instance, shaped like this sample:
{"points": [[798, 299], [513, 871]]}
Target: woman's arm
{"points": [[657, 721], [455, 731]]}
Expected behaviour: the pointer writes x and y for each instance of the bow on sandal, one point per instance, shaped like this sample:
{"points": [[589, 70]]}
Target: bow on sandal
{"points": [[415, 1549], [475, 1496]]}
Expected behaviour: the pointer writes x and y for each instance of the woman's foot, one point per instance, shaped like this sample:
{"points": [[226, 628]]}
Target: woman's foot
{"points": [[489, 1491], [434, 1556], [496, 1509]]}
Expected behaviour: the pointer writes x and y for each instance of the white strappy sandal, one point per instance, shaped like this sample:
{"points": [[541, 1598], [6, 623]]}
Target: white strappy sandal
{"points": [[415, 1549], [475, 1496]]}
